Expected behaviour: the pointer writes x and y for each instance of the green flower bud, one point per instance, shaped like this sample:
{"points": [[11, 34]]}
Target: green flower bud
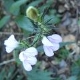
{"points": [[32, 13]]}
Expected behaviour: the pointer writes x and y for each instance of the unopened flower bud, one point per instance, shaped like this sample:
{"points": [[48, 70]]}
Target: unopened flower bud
{"points": [[32, 13]]}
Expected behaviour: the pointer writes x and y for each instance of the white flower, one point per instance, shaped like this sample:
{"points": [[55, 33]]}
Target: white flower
{"points": [[28, 58], [51, 44], [11, 43]]}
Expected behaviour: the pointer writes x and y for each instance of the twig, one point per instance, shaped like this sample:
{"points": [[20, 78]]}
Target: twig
{"points": [[6, 62], [8, 33], [18, 34]]}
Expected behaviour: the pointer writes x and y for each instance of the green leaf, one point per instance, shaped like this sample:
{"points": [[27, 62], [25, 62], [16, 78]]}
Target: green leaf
{"points": [[43, 7], [37, 74], [10, 72], [53, 19], [16, 56], [53, 11], [7, 4], [35, 3], [24, 23], [48, 4], [72, 78], [65, 43], [2, 74], [16, 6], [4, 20]]}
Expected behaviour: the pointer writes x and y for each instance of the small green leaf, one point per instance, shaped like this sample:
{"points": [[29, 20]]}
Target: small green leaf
{"points": [[16, 6], [24, 23], [65, 43], [8, 4], [52, 19], [16, 56], [4, 20], [2, 74], [10, 72], [35, 3], [43, 7]]}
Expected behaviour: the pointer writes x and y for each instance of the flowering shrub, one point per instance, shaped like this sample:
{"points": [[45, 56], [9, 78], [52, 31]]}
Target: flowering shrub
{"points": [[28, 56]]}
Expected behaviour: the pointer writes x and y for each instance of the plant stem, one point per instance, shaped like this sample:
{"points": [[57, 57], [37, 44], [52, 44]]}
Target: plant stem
{"points": [[6, 62]]}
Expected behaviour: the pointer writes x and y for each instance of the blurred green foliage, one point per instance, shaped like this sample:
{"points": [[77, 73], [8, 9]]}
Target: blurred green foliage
{"points": [[17, 9], [37, 74]]}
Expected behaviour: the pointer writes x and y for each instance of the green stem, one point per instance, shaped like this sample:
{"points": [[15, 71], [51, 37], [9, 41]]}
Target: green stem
{"points": [[24, 44], [38, 36]]}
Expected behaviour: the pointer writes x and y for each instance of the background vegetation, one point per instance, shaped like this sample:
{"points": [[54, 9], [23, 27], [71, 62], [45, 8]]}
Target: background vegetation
{"points": [[61, 17]]}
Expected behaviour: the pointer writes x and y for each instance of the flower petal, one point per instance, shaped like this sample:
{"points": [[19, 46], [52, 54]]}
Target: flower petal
{"points": [[46, 42], [32, 60], [31, 51], [48, 51], [8, 49], [6, 42], [55, 38], [21, 56], [55, 47], [11, 42], [27, 66]]}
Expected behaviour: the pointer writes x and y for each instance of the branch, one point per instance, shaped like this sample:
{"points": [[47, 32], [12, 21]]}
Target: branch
{"points": [[6, 62]]}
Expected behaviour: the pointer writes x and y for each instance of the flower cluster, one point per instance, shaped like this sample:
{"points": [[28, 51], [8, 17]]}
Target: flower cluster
{"points": [[28, 56]]}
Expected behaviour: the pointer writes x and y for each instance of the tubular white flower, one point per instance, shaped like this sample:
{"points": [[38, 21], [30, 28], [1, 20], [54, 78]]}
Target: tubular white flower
{"points": [[28, 58], [11, 43], [51, 44], [46, 42]]}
